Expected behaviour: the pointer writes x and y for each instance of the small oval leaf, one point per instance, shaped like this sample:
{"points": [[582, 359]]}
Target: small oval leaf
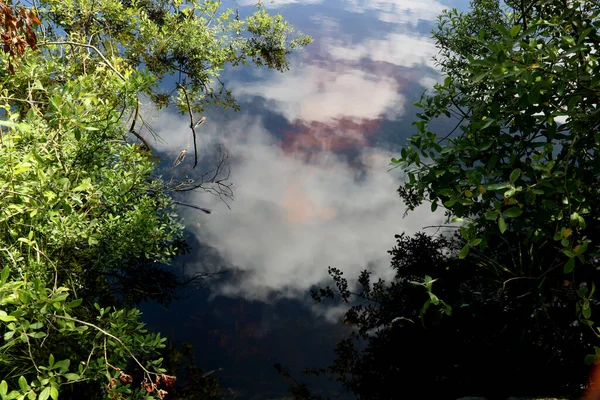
{"points": [[464, 251], [501, 225], [513, 212]]}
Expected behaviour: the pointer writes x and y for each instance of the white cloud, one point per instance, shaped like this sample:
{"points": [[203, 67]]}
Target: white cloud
{"points": [[316, 93], [300, 206], [398, 11], [396, 48], [345, 81], [277, 3], [428, 81], [294, 216]]}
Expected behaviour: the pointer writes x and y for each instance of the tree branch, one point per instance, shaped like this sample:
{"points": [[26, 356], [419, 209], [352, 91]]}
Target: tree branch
{"points": [[193, 125]]}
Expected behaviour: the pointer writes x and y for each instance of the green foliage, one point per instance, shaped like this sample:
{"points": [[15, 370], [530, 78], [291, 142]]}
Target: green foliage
{"points": [[194, 39], [452, 327], [86, 227], [521, 165]]}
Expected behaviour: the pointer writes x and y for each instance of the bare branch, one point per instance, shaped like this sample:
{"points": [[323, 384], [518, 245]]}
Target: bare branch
{"points": [[213, 181], [193, 125], [205, 210]]}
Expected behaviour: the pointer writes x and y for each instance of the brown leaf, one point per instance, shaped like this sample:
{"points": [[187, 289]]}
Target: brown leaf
{"points": [[34, 18], [30, 37]]}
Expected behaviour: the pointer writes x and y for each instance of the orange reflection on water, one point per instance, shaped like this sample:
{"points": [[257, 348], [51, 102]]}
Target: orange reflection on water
{"points": [[309, 138], [300, 208], [338, 135]]}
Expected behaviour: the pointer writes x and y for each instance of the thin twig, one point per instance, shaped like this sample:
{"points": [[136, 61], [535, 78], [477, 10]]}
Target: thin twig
{"points": [[135, 116], [452, 131], [205, 210], [30, 354], [89, 46], [192, 124]]}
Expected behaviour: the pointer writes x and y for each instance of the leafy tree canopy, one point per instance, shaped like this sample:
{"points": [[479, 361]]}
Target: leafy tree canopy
{"points": [[445, 327], [521, 165], [86, 226]]}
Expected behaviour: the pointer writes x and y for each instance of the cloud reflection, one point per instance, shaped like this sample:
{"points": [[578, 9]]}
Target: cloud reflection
{"points": [[315, 193], [324, 93], [278, 3], [396, 48], [398, 11], [293, 216]]}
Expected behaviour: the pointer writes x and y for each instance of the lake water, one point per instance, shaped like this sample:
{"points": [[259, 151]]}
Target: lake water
{"points": [[309, 156]]}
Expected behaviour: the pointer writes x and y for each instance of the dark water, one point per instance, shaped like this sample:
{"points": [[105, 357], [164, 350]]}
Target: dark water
{"points": [[309, 156]]}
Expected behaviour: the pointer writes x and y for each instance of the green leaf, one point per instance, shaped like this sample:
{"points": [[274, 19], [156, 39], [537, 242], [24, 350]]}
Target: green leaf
{"points": [[580, 249], [4, 274], [513, 212], [586, 311], [515, 175], [62, 365], [501, 224], [492, 162], [3, 388], [6, 318], [581, 292], [568, 253], [509, 193], [514, 31], [479, 77], [36, 325], [72, 377], [496, 186], [434, 299], [590, 359], [447, 192], [23, 383], [464, 251], [449, 203], [54, 392], [491, 215], [45, 394], [448, 309], [486, 145], [569, 266], [74, 303], [584, 34]]}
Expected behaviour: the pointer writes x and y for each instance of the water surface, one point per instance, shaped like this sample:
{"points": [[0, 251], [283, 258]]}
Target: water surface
{"points": [[309, 159]]}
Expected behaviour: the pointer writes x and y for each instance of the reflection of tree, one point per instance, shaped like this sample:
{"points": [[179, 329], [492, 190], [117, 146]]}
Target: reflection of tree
{"points": [[194, 383], [214, 181], [503, 337]]}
